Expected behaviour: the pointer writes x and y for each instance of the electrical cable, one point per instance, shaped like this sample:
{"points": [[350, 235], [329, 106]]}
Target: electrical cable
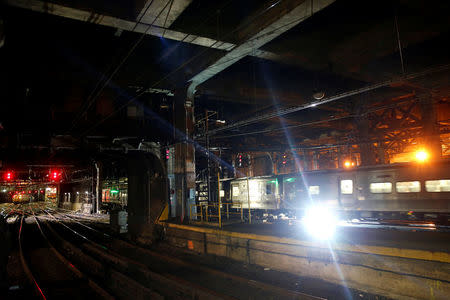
{"points": [[399, 44], [323, 121], [182, 66], [289, 110], [179, 42], [83, 108], [117, 68]]}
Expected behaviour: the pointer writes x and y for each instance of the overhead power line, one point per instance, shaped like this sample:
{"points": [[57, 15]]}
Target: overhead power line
{"points": [[282, 112]]}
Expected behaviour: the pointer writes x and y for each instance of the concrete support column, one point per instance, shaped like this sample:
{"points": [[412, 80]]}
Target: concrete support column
{"points": [[430, 129], [184, 165]]}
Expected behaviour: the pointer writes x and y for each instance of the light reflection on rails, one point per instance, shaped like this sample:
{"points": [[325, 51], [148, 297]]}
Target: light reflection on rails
{"points": [[260, 285], [29, 212]]}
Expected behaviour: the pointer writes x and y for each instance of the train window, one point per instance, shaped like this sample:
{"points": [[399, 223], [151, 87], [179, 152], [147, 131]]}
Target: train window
{"points": [[269, 189], [381, 187], [314, 190], [235, 191], [437, 185], [407, 187], [222, 193], [347, 186]]}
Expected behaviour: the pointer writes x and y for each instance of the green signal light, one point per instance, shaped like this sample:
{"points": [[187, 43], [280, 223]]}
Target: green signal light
{"points": [[114, 191], [292, 179]]}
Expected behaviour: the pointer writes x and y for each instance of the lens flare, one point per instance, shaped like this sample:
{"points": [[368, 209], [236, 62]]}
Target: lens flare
{"points": [[422, 155], [320, 222]]}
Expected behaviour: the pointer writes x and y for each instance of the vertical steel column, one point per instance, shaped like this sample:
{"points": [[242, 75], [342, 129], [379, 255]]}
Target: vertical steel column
{"points": [[381, 153], [218, 197], [367, 151], [315, 162], [431, 139], [248, 201], [208, 157], [97, 188]]}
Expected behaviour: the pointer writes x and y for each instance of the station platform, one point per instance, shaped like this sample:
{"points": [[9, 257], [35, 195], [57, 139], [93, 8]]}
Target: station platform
{"points": [[400, 264]]}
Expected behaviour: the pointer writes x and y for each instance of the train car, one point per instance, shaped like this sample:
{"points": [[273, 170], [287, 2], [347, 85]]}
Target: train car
{"points": [[387, 191], [114, 194], [262, 193], [20, 198]]}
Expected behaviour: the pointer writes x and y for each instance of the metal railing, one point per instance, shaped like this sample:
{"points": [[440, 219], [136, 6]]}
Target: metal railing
{"points": [[216, 211]]}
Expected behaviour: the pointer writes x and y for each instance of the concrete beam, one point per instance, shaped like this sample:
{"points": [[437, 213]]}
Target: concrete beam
{"points": [[170, 13], [263, 28], [121, 24]]}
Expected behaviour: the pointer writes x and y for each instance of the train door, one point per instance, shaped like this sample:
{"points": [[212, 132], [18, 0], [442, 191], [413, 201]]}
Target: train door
{"points": [[346, 190]]}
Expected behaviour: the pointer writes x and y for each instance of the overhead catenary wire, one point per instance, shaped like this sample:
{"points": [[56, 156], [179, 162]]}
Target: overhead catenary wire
{"points": [[117, 68], [282, 112], [322, 121], [86, 103], [179, 42], [188, 61], [399, 43]]}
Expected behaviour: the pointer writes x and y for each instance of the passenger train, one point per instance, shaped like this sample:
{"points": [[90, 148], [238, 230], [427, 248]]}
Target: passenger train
{"points": [[412, 190]]}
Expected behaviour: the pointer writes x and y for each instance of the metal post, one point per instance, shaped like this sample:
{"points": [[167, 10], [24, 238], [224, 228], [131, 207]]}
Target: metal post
{"points": [[208, 162], [248, 201], [207, 206], [201, 213], [218, 197], [242, 213], [97, 188], [228, 213]]}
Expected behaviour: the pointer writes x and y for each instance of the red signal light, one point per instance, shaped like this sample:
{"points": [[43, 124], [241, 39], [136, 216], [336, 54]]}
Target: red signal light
{"points": [[55, 175], [8, 176]]}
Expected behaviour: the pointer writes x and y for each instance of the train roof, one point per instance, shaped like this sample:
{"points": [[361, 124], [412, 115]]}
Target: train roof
{"points": [[445, 162]]}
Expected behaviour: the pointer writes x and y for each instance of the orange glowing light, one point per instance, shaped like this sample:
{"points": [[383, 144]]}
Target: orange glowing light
{"points": [[347, 164], [422, 155]]}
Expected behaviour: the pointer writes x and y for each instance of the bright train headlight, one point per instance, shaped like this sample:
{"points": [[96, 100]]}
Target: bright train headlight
{"points": [[320, 222]]}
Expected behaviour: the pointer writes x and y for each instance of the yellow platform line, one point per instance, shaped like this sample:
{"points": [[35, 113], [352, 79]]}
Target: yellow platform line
{"points": [[367, 249]]}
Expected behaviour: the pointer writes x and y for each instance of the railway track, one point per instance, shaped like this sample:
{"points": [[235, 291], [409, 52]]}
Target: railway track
{"points": [[50, 274], [173, 277], [104, 264]]}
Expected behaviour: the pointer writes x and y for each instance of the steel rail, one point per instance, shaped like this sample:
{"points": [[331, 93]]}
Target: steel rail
{"points": [[123, 263], [25, 266], [211, 271], [92, 284]]}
